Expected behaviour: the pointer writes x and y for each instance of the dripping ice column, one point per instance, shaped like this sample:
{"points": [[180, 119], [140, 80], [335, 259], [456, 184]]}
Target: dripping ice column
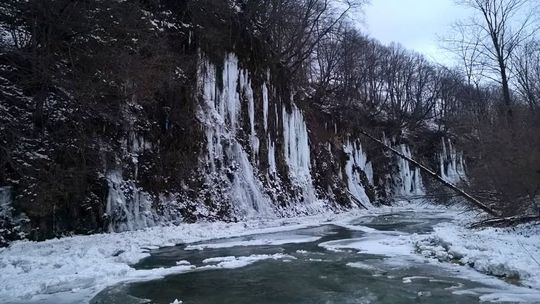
{"points": [[220, 113], [297, 153], [356, 161], [411, 180], [129, 212], [297, 156], [272, 168], [245, 84], [265, 106], [451, 164]]}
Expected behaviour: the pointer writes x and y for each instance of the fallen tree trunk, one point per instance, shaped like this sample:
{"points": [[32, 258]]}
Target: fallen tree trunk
{"points": [[507, 221], [453, 187]]}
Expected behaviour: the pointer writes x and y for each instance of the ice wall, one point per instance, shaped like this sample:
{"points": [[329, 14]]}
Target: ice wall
{"points": [[128, 207], [296, 143], [296, 151], [409, 178], [225, 156], [451, 163], [356, 165]]}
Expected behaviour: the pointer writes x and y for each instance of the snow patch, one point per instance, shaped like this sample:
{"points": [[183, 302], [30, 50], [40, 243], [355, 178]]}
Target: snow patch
{"points": [[231, 262], [363, 266], [259, 241], [381, 244]]}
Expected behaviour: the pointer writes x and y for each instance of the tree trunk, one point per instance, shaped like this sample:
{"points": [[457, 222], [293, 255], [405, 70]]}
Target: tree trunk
{"points": [[461, 192], [506, 90]]}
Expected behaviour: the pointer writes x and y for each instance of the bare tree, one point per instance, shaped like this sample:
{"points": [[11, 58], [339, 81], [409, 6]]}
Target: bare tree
{"points": [[526, 68], [493, 36], [466, 51], [295, 28]]}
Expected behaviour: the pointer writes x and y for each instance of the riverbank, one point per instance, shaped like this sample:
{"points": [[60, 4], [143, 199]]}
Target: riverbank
{"points": [[61, 270], [75, 268], [512, 254]]}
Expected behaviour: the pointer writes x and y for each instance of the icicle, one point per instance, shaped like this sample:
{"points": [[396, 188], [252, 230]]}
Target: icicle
{"points": [[265, 106], [410, 178], [451, 164], [357, 161], [297, 156], [229, 104], [245, 84], [276, 121], [226, 156], [272, 168]]}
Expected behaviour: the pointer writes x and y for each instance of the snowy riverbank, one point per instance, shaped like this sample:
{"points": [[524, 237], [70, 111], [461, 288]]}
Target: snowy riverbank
{"points": [[510, 253], [78, 267]]}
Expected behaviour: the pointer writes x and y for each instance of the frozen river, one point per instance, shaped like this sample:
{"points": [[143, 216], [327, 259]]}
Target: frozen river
{"points": [[364, 261]]}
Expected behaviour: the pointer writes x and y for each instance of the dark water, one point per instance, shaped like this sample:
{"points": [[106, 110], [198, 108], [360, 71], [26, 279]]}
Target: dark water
{"points": [[312, 274]]}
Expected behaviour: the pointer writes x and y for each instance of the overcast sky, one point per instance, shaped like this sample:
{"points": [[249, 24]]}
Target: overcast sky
{"points": [[415, 24]]}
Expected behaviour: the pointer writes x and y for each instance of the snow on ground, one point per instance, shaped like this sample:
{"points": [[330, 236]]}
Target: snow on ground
{"points": [[73, 269], [80, 266], [511, 253]]}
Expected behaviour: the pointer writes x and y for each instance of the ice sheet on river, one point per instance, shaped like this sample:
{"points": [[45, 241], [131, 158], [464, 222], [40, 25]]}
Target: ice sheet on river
{"points": [[380, 243], [293, 237]]}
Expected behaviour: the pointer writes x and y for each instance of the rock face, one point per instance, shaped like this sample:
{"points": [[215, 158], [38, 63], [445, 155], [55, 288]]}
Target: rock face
{"points": [[255, 159], [227, 137]]}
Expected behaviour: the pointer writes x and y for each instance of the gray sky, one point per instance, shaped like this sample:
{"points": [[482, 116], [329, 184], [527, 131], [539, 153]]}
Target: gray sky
{"points": [[415, 24]]}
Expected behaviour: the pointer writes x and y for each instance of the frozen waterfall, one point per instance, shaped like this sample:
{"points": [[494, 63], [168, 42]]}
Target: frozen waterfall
{"points": [[296, 145], [356, 164], [128, 208], [220, 112], [410, 179], [245, 87], [451, 163]]}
